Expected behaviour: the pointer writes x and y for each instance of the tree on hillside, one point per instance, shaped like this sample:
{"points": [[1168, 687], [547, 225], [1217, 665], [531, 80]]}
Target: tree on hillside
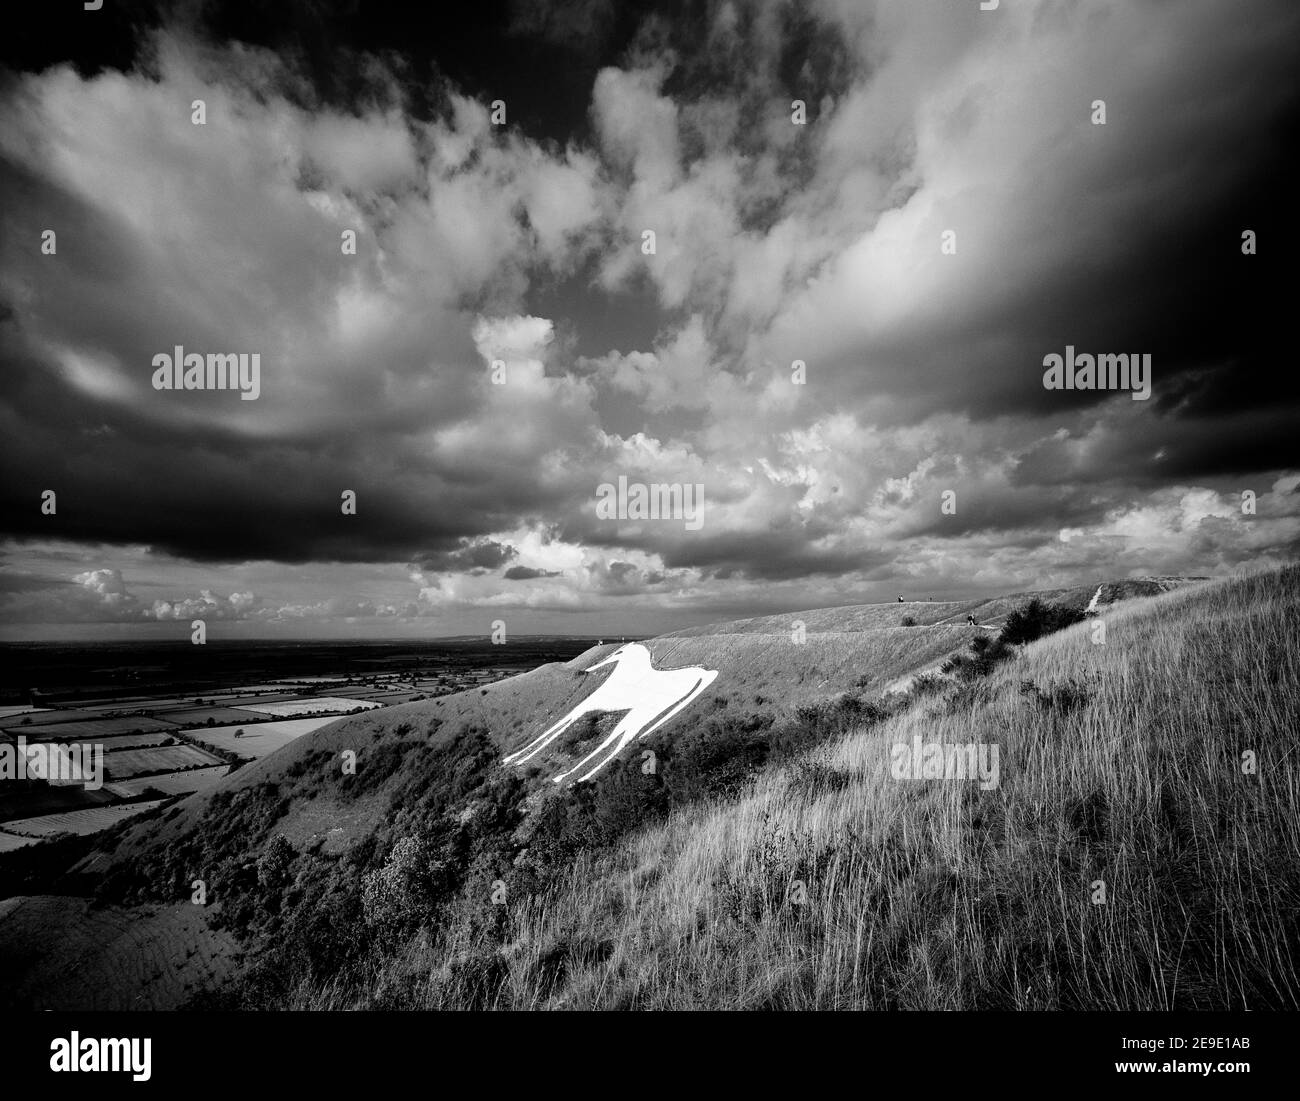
{"points": [[397, 897], [274, 863]]}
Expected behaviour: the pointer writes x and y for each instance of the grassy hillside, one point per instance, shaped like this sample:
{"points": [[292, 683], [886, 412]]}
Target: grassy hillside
{"points": [[432, 770], [863, 617], [767, 857], [761, 670], [830, 884]]}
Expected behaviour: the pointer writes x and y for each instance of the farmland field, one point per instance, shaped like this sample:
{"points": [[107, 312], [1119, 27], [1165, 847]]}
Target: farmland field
{"points": [[23, 801], [314, 680], [126, 763], [21, 709], [242, 697], [317, 706], [148, 705], [28, 719], [80, 821], [127, 703], [90, 728], [196, 716], [133, 741], [390, 698], [171, 783], [159, 705], [261, 738]]}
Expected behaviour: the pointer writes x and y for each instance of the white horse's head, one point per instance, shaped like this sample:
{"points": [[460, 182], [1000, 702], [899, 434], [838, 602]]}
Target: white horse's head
{"points": [[629, 650]]}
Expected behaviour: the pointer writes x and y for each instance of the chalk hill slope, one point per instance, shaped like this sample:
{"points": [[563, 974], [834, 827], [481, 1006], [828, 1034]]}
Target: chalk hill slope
{"points": [[1141, 850], [433, 769], [760, 666]]}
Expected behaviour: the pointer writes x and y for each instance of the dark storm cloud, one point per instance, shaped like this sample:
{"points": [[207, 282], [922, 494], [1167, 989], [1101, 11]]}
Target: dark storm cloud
{"points": [[1132, 243], [770, 556], [219, 497], [584, 26], [29, 582], [1140, 453], [527, 573], [484, 554], [358, 380]]}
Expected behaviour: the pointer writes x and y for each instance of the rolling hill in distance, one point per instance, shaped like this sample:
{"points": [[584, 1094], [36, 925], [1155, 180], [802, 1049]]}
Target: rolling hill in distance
{"points": [[761, 848]]}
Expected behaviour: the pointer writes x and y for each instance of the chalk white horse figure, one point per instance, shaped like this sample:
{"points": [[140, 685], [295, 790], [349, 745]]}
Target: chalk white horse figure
{"points": [[650, 697]]}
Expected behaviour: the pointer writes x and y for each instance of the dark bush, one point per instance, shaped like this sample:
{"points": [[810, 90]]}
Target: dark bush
{"points": [[1037, 619], [1064, 697], [1023, 625], [274, 863]]}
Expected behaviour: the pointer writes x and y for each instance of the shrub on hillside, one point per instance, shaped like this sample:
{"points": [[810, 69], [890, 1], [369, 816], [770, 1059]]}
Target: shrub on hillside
{"points": [[925, 684], [1037, 619], [1063, 697], [400, 896], [584, 730], [715, 756], [273, 865], [593, 815], [1023, 625]]}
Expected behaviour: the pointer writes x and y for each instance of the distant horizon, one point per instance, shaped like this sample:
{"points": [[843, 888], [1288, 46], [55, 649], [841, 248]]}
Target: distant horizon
{"points": [[157, 634], [154, 633], [324, 639]]}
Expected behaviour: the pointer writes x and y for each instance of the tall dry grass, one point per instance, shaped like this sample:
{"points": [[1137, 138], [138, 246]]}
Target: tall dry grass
{"points": [[832, 885]]}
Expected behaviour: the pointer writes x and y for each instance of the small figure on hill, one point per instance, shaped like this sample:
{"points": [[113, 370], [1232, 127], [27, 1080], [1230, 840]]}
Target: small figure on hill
{"points": [[900, 600], [970, 620]]}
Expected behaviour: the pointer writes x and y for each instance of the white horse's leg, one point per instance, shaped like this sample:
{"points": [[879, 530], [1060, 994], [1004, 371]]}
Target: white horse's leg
{"points": [[654, 725], [669, 713], [547, 736], [624, 731], [685, 701]]}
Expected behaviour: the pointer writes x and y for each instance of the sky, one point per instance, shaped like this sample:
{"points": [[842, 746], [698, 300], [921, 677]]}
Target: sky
{"points": [[872, 222]]}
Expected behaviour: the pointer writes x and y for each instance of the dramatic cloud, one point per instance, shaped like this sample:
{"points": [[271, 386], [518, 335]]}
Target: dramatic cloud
{"points": [[831, 315]]}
